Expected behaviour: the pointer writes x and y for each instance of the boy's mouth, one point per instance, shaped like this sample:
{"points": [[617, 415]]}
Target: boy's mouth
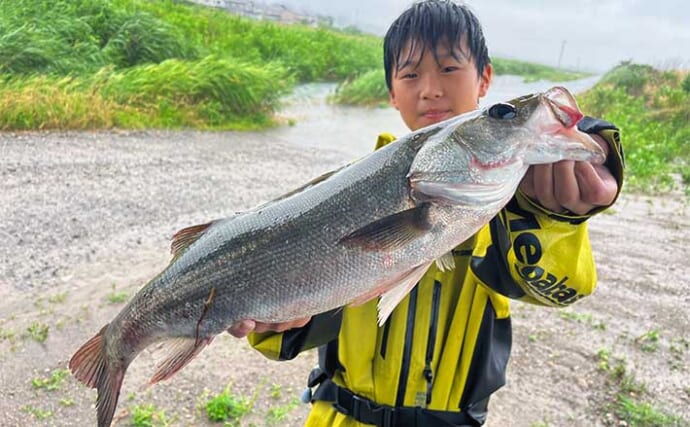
{"points": [[436, 115]]}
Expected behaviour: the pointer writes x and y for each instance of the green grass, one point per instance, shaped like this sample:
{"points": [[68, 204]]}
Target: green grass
{"points": [[627, 394], [158, 64], [67, 402], [117, 297], [533, 72], [149, 416], [276, 415], [369, 89], [649, 341], [637, 414], [585, 318], [58, 298], [227, 407], [6, 334], [38, 331], [209, 93], [38, 413], [52, 382], [82, 36], [652, 109]]}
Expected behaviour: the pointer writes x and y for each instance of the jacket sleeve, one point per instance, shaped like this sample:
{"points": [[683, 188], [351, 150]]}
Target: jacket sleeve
{"points": [[321, 329], [539, 256]]}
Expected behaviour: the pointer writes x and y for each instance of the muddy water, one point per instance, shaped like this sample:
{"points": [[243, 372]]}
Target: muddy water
{"points": [[353, 130]]}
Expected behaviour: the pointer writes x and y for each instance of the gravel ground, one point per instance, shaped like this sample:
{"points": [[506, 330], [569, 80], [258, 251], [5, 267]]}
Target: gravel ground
{"points": [[87, 217]]}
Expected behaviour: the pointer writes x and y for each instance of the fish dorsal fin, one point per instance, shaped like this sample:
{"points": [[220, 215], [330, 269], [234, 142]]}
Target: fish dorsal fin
{"points": [[392, 298], [185, 237], [391, 232], [446, 262]]}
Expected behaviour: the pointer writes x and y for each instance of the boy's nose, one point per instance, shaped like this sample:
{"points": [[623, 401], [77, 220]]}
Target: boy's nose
{"points": [[431, 88]]}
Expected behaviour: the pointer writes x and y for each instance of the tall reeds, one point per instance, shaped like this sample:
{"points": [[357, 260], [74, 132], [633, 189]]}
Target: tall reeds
{"points": [[158, 63]]}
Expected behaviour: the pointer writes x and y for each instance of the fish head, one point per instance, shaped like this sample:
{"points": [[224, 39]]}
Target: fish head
{"points": [[481, 156]]}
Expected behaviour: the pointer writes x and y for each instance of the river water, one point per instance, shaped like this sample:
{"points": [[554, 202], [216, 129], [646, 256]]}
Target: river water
{"points": [[353, 130]]}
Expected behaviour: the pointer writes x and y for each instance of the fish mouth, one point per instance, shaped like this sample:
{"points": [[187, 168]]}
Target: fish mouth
{"points": [[556, 121], [563, 106]]}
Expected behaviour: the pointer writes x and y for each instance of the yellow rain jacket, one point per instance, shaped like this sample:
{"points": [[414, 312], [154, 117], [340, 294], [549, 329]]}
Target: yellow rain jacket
{"points": [[445, 348]]}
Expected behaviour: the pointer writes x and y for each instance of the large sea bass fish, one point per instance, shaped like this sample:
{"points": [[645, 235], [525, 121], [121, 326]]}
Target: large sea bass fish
{"points": [[367, 230]]}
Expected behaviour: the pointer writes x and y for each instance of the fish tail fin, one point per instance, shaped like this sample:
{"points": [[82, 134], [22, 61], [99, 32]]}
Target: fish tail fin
{"points": [[90, 366], [181, 352]]}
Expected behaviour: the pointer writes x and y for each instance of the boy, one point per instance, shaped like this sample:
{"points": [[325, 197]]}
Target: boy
{"points": [[444, 350]]}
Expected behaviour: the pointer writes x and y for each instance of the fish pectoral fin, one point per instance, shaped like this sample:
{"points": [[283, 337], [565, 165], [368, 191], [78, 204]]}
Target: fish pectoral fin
{"points": [[181, 351], [391, 232], [392, 298], [446, 262], [185, 237], [459, 194]]}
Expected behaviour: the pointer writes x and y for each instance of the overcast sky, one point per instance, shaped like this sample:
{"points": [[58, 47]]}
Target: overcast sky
{"points": [[595, 34]]}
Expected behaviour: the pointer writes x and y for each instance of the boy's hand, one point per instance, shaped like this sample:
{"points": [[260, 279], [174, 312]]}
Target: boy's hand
{"points": [[572, 186], [244, 327]]}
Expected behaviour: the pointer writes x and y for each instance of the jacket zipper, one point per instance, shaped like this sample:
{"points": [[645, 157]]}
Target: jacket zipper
{"points": [[384, 339], [431, 341], [407, 349]]}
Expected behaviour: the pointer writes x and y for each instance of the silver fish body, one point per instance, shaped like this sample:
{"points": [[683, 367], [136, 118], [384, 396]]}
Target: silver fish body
{"points": [[369, 229]]}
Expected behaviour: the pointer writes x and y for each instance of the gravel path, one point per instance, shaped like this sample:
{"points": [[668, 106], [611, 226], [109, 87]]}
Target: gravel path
{"points": [[87, 216]]}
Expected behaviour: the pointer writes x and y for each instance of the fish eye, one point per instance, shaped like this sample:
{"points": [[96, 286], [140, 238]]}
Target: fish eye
{"points": [[502, 110]]}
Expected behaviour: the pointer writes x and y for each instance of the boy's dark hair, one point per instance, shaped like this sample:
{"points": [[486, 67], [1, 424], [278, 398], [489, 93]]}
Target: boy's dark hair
{"points": [[429, 23]]}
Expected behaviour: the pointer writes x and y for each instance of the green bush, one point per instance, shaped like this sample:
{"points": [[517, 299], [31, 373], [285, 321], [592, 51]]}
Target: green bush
{"points": [[534, 72], [685, 85], [653, 113], [159, 63], [368, 89]]}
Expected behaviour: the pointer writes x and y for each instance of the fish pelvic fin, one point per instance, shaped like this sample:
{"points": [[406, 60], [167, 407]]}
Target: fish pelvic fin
{"points": [[90, 366], [392, 298], [185, 237], [391, 232], [181, 352]]}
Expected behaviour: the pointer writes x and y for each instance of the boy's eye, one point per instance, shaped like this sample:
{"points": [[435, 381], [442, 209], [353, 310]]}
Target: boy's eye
{"points": [[409, 76], [449, 69]]}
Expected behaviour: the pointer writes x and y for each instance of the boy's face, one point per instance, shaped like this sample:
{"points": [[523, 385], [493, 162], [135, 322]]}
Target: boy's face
{"points": [[427, 92]]}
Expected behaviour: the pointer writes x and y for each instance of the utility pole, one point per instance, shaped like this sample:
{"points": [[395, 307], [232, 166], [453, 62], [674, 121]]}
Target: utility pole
{"points": [[560, 56]]}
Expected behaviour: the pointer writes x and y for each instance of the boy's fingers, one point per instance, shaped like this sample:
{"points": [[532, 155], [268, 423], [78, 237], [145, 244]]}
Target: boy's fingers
{"points": [[566, 188], [597, 184], [544, 187]]}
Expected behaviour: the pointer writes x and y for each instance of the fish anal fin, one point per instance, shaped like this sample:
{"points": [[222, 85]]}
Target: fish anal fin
{"points": [[378, 290], [446, 262], [392, 298], [181, 352], [185, 237], [391, 232]]}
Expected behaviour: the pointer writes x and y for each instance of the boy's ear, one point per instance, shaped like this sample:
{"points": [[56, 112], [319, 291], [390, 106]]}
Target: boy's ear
{"points": [[485, 80], [392, 99]]}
